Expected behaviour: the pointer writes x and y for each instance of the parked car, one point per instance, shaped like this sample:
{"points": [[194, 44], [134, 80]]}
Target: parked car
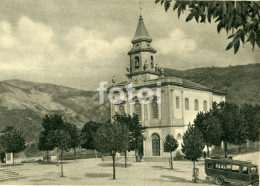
{"points": [[227, 170]]}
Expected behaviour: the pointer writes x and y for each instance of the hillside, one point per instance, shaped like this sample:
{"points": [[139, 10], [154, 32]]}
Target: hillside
{"points": [[23, 105], [241, 83]]}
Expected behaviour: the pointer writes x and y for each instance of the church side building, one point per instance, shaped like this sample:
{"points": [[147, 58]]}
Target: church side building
{"points": [[181, 99]]}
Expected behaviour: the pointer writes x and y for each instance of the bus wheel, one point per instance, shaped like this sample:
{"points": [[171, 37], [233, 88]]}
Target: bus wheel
{"points": [[219, 180], [255, 183]]}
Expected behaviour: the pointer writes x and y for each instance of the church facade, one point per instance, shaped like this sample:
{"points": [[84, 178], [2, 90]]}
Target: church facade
{"points": [[180, 99]]}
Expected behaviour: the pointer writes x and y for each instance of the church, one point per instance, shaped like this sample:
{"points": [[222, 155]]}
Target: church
{"points": [[180, 99]]}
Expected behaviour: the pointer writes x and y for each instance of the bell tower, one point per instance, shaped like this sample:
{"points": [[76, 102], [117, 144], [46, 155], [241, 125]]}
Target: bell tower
{"points": [[142, 59]]}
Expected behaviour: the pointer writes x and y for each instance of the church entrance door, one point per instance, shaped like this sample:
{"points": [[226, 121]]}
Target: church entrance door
{"points": [[156, 144]]}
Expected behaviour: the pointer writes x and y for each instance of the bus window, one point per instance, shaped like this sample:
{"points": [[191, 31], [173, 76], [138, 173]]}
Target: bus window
{"points": [[245, 170], [253, 169], [210, 165], [235, 168], [219, 166], [228, 167]]}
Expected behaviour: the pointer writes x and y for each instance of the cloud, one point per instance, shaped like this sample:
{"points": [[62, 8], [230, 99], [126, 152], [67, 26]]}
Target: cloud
{"points": [[176, 42], [33, 49], [6, 38], [92, 46]]}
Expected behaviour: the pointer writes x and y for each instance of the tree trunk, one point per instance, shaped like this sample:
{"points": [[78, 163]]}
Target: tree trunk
{"points": [[13, 158], [136, 155], [171, 160], [225, 149], [47, 152], [114, 166], [207, 151], [75, 153], [239, 148], [96, 153], [61, 165], [194, 179], [58, 156], [125, 159]]}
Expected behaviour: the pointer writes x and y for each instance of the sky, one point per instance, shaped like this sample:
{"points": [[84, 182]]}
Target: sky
{"points": [[79, 43]]}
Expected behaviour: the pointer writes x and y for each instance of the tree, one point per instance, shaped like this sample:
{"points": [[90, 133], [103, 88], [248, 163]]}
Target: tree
{"points": [[53, 122], [45, 143], [63, 142], [240, 17], [210, 128], [234, 129], [251, 115], [192, 145], [13, 141], [74, 133], [49, 123], [170, 144], [112, 138], [58, 134], [88, 132], [135, 136]]}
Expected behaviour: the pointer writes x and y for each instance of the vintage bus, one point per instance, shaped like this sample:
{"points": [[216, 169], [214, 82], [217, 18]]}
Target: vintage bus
{"points": [[227, 170]]}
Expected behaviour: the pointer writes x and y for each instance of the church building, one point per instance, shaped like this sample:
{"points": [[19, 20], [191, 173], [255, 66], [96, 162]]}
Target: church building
{"points": [[180, 99]]}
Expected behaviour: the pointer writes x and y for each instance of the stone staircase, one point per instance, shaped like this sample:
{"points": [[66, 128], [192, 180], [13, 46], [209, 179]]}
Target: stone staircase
{"points": [[6, 174]]}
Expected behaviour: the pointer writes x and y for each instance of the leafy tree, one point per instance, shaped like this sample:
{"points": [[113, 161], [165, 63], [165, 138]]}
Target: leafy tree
{"points": [[210, 128], [53, 122], [112, 138], [170, 144], [2, 147], [13, 141], [58, 133], [135, 136], [240, 17], [193, 144], [234, 129], [45, 143], [251, 115], [63, 142], [87, 134], [74, 133]]}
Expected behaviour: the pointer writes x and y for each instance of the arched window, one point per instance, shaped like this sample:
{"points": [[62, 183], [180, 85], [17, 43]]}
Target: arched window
{"points": [[154, 109], [179, 137], [121, 109], [156, 145], [187, 104], [152, 62], [205, 105], [137, 63], [138, 111], [196, 104]]}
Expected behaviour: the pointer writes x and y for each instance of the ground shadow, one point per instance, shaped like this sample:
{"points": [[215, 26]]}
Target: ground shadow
{"points": [[111, 165], [98, 175], [40, 180], [167, 168], [51, 163], [11, 165], [182, 180]]}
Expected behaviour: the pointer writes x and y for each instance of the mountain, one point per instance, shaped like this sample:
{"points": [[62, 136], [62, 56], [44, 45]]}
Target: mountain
{"points": [[241, 83], [23, 105]]}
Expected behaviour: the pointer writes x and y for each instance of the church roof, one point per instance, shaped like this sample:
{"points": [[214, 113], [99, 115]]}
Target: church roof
{"points": [[141, 32], [173, 81]]}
